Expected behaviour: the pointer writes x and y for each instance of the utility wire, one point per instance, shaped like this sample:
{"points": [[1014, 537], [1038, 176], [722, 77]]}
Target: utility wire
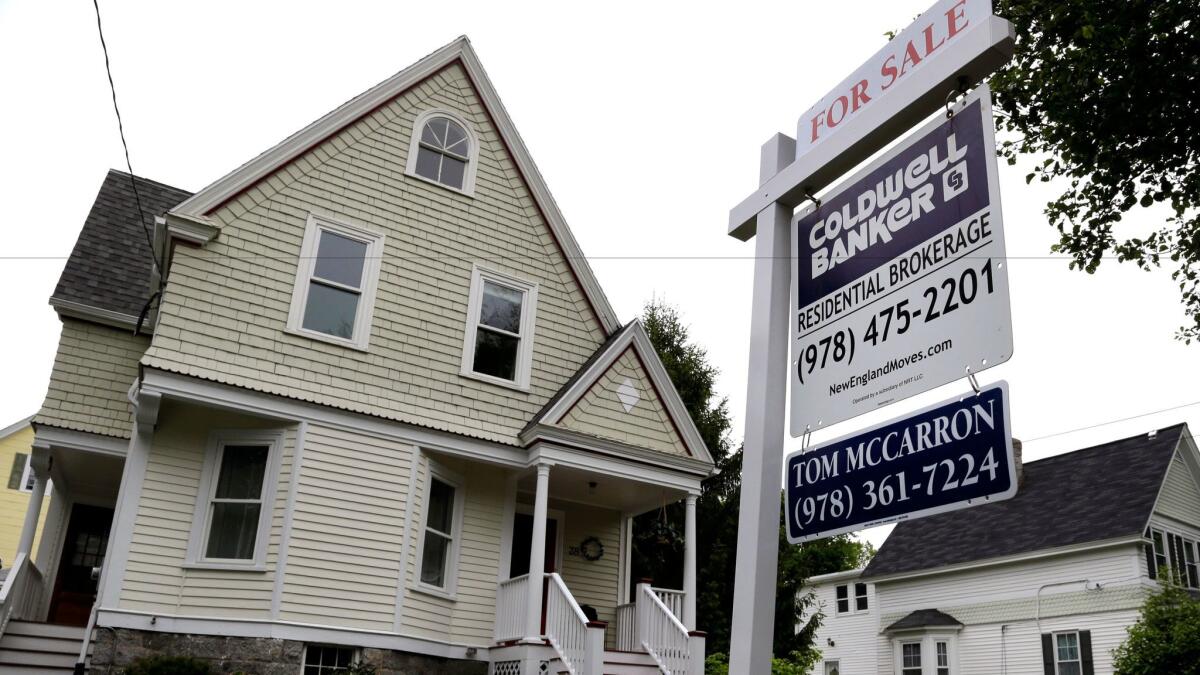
{"points": [[1107, 423], [121, 127], [515, 258]]}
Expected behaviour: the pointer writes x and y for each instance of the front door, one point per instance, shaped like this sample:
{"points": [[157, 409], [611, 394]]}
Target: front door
{"points": [[522, 541], [83, 550]]}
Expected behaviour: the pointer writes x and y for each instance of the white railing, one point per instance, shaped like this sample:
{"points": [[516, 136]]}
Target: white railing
{"points": [[512, 608], [566, 626], [673, 599], [21, 593], [673, 648], [626, 637]]}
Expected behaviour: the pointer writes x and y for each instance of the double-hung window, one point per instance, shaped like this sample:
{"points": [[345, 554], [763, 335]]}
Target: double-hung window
{"points": [[336, 278], [234, 504], [943, 657], [843, 599], [21, 477], [1067, 660], [498, 343], [861, 603], [440, 533], [1174, 553], [910, 658], [861, 600]]}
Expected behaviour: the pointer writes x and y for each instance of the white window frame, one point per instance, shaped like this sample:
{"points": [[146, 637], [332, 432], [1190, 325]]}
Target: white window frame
{"points": [[355, 658], [307, 263], [524, 365], [26, 473], [1078, 648], [852, 599], [834, 663], [410, 168], [454, 480], [928, 639], [1166, 533], [198, 541]]}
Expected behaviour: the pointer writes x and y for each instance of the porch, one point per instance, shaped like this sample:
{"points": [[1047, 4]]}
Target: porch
{"points": [[47, 599], [572, 619]]}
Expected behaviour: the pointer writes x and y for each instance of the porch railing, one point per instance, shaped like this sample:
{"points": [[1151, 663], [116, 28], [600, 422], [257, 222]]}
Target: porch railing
{"points": [[626, 636], [567, 627], [673, 599], [676, 650], [512, 603], [21, 593]]}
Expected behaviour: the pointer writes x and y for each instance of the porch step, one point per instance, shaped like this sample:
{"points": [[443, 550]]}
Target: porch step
{"points": [[619, 663], [29, 648]]}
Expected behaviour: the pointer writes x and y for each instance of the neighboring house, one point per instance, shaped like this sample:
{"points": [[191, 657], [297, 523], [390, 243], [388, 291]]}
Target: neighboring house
{"points": [[1047, 582], [16, 442], [374, 405]]}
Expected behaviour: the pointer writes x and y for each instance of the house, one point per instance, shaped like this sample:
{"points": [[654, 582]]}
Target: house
{"points": [[361, 399], [16, 440], [1047, 582]]}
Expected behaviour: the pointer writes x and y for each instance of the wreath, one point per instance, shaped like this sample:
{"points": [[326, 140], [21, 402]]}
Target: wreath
{"points": [[591, 549]]}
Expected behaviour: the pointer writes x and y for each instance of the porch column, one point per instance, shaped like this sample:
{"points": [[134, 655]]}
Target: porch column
{"points": [[39, 463], [537, 554], [689, 564]]}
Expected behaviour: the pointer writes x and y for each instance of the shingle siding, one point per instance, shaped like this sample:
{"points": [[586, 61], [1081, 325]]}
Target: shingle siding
{"points": [[226, 306], [601, 413], [93, 370], [1180, 498]]}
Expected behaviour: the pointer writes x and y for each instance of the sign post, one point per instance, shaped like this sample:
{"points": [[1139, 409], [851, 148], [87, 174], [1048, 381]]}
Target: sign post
{"points": [[953, 45]]}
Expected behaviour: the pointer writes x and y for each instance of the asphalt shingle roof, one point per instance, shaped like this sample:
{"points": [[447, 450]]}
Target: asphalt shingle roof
{"points": [[109, 268], [924, 618], [1098, 493]]}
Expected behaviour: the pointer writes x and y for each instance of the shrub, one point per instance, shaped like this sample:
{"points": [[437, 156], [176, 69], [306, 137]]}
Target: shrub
{"points": [[168, 665]]}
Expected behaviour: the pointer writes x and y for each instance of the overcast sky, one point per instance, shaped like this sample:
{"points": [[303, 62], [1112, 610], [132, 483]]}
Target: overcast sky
{"points": [[645, 119]]}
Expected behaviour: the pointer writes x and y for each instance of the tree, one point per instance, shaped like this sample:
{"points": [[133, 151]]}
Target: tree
{"points": [[717, 512], [1105, 93], [1166, 639]]}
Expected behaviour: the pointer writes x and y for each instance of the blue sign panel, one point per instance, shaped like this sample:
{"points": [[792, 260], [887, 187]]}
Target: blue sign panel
{"points": [[947, 457]]}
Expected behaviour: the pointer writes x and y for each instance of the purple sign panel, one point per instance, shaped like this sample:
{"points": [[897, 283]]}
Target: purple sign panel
{"points": [[900, 278]]}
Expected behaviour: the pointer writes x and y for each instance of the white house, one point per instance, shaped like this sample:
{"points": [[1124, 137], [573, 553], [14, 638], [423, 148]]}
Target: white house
{"points": [[1045, 583], [362, 398]]}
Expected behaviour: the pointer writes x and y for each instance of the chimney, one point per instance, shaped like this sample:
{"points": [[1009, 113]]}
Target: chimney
{"points": [[1017, 462]]}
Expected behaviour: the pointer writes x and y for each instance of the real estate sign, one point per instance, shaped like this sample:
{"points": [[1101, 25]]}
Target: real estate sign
{"points": [[899, 277], [949, 456]]}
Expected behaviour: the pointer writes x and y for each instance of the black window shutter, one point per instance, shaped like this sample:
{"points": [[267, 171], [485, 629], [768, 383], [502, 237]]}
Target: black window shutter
{"points": [[18, 469], [1085, 651], [1048, 653]]}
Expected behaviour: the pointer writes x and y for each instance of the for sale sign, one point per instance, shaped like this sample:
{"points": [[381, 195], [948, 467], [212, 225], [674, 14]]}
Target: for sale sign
{"points": [[900, 276], [950, 456]]}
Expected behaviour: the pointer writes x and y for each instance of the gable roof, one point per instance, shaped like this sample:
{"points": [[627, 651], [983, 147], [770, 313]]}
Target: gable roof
{"points": [[923, 618], [632, 336], [1100, 493], [109, 267], [204, 202], [15, 427]]}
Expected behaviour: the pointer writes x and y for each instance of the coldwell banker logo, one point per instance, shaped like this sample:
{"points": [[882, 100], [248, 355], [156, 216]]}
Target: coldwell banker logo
{"points": [[895, 207]]}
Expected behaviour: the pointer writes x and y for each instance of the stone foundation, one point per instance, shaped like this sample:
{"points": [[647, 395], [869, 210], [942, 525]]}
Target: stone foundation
{"points": [[116, 648]]}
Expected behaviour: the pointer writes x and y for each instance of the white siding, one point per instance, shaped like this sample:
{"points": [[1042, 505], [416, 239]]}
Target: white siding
{"points": [[1180, 498], [854, 635], [1006, 582], [980, 653]]}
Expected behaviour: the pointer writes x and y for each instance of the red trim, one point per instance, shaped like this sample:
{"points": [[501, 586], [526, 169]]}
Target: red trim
{"points": [[662, 401], [491, 119]]}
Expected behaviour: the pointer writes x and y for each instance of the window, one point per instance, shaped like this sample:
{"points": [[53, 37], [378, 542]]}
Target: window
{"points": [[1174, 553], [438, 550], [910, 658], [860, 597], [323, 659], [443, 151], [832, 668], [21, 476], [943, 657], [498, 345], [1066, 654], [843, 600], [233, 509], [336, 277]]}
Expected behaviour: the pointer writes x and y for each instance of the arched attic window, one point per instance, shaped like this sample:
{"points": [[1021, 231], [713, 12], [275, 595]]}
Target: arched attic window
{"points": [[443, 151]]}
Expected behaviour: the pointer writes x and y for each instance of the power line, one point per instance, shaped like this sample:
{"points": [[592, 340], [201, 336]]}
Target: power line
{"points": [[451, 256], [1110, 422], [121, 127]]}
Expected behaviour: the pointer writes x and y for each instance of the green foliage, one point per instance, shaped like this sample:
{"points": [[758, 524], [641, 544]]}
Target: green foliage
{"points": [[1167, 637], [360, 668], [168, 665], [795, 664], [717, 515], [1104, 93]]}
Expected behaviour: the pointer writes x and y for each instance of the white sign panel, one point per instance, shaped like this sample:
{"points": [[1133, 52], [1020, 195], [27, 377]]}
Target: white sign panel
{"points": [[925, 39], [900, 281]]}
